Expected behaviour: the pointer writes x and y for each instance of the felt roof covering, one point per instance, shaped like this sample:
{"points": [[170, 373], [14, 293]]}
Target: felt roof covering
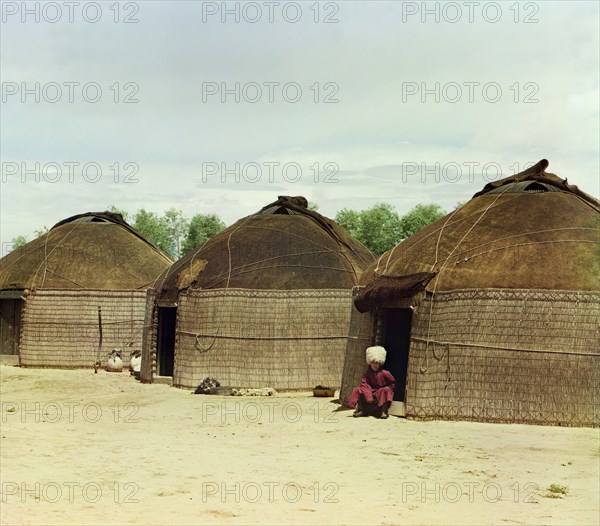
{"points": [[95, 250], [532, 230], [284, 246]]}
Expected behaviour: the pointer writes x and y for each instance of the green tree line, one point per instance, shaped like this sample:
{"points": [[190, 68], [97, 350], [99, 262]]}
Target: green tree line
{"points": [[173, 232], [379, 228]]}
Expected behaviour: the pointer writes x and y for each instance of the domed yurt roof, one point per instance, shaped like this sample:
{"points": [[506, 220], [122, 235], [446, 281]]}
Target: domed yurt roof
{"points": [[95, 250], [284, 246], [532, 230]]}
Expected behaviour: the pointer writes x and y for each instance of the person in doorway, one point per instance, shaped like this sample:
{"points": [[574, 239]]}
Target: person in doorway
{"points": [[375, 393]]}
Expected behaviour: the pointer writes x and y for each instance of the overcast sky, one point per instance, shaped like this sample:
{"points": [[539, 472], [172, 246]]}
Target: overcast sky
{"points": [[348, 103]]}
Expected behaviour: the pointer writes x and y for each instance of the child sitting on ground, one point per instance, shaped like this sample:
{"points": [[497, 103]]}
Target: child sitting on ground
{"points": [[376, 391]]}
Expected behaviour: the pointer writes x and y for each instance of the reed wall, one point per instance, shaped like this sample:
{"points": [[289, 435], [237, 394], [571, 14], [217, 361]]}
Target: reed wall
{"points": [[60, 327], [506, 356], [528, 356], [258, 338]]}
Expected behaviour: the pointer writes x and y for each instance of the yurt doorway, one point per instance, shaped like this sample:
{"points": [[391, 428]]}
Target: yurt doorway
{"points": [[167, 318], [397, 342], [10, 325]]}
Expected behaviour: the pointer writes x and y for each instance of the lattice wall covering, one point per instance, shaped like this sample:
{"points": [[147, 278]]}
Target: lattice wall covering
{"points": [[526, 356], [60, 327], [245, 338]]}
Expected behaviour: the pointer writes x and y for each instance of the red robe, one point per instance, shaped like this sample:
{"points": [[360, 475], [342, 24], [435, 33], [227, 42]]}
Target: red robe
{"points": [[376, 386]]}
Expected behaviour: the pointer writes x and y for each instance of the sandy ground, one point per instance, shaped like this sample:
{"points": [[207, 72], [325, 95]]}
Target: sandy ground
{"points": [[80, 448]]}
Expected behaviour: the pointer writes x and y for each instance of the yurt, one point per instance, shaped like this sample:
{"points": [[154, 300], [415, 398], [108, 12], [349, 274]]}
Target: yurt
{"points": [[492, 312], [265, 303], [73, 294]]}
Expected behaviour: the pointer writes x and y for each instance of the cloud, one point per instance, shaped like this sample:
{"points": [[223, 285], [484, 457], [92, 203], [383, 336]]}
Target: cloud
{"points": [[358, 149]]}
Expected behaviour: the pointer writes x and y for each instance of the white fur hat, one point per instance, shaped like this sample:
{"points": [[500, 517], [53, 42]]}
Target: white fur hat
{"points": [[376, 354]]}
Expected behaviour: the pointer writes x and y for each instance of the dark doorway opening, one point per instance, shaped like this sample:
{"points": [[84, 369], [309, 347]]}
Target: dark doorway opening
{"points": [[397, 343], [167, 318], [10, 325]]}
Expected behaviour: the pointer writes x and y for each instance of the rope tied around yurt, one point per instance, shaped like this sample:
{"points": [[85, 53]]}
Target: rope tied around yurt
{"points": [[507, 247], [44, 262], [322, 249], [47, 270], [299, 204], [265, 338], [198, 345], [425, 358], [236, 272], [390, 259], [522, 234], [98, 362], [439, 273], [502, 348]]}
